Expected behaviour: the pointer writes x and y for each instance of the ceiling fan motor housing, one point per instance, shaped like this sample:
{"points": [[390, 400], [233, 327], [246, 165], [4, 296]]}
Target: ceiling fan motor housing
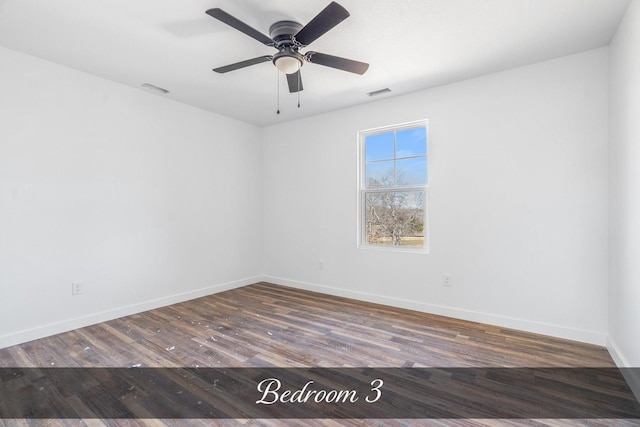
{"points": [[282, 32], [288, 59]]}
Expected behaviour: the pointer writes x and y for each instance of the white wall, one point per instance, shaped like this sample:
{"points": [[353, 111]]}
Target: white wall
{"points": [[518, 211], [624, 192], [147, 201], [144, 200]]}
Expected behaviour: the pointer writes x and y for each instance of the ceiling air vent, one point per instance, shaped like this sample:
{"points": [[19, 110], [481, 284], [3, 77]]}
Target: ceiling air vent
{"points": [[155, 88], [379, 92]]}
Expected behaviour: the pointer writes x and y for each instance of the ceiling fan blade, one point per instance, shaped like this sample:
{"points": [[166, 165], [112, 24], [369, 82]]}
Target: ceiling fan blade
{"points": [[344, 64], [231, 21], [295, 82], [243, 64], [328, 18]]}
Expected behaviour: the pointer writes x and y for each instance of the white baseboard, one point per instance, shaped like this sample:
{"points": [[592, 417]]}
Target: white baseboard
{"points": [[616, 354], [474, 316], [503, 321], [630, 373], [80, 322]]}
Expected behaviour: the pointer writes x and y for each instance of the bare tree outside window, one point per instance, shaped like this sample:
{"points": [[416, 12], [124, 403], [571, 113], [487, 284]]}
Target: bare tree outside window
{"points": [[395, 218]]}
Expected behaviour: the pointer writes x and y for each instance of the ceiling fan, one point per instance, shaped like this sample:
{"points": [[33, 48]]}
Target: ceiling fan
{"points": [[288, 37]]}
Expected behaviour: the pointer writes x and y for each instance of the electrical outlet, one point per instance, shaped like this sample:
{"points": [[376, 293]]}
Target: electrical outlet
{"points": [[446, 280], [320, 264], [76, 288]]}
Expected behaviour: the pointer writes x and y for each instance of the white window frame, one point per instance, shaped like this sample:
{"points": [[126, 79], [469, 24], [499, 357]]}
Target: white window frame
{"points": [[363, 191]]}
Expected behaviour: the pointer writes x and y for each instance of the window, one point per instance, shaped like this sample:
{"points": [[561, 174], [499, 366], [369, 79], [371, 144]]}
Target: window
{"points": [[393, 183]]}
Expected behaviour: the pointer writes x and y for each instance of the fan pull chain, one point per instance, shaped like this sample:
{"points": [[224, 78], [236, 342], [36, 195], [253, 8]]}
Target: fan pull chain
{"points": [[278, 90], [299, 81]]}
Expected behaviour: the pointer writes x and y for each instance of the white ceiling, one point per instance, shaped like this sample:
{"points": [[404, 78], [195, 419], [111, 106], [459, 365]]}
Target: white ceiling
{"points": [[409, 44]]}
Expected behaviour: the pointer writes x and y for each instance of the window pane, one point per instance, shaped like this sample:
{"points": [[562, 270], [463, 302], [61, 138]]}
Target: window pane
{"points": [[379, 147], [378, 174], [395, 218], [411, 171], [411, 142]]}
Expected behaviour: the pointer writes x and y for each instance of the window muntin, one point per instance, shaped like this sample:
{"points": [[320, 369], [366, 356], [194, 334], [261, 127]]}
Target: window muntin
{"points": [[393, 187]]}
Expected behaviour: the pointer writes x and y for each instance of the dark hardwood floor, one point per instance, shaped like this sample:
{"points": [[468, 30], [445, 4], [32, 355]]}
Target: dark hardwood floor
{"points": [[265, 325]]}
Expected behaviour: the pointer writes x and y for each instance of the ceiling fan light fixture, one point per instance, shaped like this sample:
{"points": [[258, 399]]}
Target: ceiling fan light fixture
{"points": [[287, 64]]}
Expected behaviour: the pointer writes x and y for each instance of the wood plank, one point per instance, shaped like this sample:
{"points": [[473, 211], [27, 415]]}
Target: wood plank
{"points": [[264, 325]]}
